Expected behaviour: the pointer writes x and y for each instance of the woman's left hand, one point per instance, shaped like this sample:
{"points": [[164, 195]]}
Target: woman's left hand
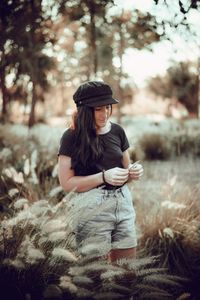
{"points": [[135, 171]]}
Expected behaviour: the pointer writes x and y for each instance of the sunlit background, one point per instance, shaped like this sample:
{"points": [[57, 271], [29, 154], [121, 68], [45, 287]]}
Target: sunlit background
{"points": [[139, 47]]}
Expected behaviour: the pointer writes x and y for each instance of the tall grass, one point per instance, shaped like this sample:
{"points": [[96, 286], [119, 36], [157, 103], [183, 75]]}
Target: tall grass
{"points": [[38, 254]]}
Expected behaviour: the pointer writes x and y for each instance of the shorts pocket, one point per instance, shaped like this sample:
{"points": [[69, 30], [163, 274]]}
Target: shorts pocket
{"points": [[127, 194]]}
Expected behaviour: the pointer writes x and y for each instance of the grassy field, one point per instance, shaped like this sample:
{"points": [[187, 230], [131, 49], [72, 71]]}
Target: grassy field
{"points": [[167, 180], [38, 258]]}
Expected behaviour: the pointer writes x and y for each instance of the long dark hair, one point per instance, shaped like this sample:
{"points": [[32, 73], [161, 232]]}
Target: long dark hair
{"points": [[88, 148]]}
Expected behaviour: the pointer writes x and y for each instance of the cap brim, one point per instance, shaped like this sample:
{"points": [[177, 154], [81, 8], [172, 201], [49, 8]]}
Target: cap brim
{"points": [[102, 102]]}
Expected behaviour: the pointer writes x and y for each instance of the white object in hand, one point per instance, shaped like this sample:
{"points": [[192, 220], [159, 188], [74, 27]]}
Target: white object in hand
{"points": [[135, 165]]}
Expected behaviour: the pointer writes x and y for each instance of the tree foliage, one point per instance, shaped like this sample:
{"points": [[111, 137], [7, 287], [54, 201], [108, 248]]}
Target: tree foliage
{"points": [[85, 41], [184, 7], [180, 82], [24, 32]]}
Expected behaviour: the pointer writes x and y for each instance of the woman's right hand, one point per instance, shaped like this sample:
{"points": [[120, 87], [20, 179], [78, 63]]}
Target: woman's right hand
{"points": [[116, 176]]}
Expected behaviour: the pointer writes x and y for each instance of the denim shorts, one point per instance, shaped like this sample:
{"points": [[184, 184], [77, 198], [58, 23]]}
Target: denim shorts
{"points": [[104, 220]]}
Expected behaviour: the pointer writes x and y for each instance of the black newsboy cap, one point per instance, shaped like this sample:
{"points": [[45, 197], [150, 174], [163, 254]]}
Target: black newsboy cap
{"points": [[94, 93]]}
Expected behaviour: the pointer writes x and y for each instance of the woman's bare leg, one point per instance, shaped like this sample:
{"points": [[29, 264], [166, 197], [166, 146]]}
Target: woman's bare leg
{"points": [[116, 254]]}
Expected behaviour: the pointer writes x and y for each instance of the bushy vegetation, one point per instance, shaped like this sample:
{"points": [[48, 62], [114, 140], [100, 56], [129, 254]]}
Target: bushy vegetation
{"points": [[158, 141], [38, 255], [180, 82]]}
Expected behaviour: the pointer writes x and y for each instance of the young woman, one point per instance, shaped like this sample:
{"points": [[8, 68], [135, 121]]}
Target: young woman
{"points": [[93, 160]]}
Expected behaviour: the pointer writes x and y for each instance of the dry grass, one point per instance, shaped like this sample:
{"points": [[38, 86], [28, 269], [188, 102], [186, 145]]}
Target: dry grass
{"points": [[168, 210], [38, 253]]}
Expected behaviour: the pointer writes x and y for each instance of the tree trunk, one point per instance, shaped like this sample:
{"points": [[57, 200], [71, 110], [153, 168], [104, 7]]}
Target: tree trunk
{"points": [[5, 97], [93, 40], [198, 89], [120, 91], [34, 66], [33, 104]]}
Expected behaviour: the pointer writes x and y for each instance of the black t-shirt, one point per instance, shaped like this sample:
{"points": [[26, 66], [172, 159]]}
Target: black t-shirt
{"points": [[114, 142]]}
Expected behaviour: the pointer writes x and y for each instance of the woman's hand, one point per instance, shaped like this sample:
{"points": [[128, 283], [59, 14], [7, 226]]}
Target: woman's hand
{"points": [[136, 171], [116, 176]]}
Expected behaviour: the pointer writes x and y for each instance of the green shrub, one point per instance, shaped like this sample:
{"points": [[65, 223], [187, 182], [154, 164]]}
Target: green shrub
{"points": [[136, 153], [185, 144], [155, 146]]}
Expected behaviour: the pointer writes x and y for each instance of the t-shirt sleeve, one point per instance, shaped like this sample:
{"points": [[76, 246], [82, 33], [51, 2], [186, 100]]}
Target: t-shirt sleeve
{"points": [[66, 143], [124, 140]]}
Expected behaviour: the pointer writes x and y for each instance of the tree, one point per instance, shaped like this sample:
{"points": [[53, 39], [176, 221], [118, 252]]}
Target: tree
{"points": [[96, 11], [180, 82], [22, 47], [5, 52], [132, 29], [106, 37]]}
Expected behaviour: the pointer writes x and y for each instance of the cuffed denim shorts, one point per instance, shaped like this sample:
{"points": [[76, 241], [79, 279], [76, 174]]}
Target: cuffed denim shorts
{"points": [[105, 220]]}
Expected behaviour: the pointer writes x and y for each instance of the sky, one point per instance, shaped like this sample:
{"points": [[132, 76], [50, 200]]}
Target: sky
{"points": [[142, 64]]}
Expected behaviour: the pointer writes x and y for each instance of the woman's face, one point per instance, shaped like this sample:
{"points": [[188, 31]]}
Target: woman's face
{"points": [[101, 115]]}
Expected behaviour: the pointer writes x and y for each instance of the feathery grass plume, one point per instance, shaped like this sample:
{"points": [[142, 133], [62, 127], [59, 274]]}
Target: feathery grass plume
{"points": [[33, 255], [10, 172], [5, 154], [168, 232], [64, 205], [34, 157], [112, 273], [52, 226], [139, 263], [91, 248], [60, 253], [55, 191], [55, 171], [23, 216], [173, 205], [163, 280], [147, 275], [28, 253], [67, 285], [27, 167], [42, 241], [13, 192], [17, 263], [40, 208], [89, 259], [148, 271], [184, 296], [93, 267], [191, 235], [7, 231], [94, 272], [20, 203], [82, 281], [57, 236]]}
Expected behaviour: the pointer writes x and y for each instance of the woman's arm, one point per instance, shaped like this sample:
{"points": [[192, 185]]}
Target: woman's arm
{"points": [[69, 181], [126, 159]]}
